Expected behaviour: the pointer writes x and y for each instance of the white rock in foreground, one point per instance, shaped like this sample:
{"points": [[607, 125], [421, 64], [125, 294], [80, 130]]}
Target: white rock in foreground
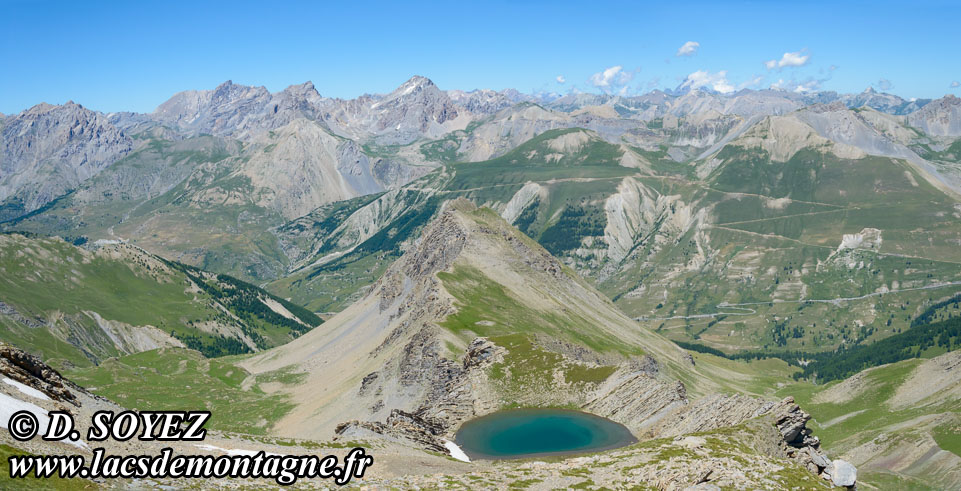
{"points": [[843, 473]]}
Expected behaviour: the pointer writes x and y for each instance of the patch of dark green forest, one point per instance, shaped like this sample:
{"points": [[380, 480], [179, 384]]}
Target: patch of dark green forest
{"points": [[245, 301], [575, 223]]}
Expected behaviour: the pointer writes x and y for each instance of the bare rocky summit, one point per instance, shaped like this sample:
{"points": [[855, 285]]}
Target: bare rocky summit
{"points": [[942, 117], [48, 150], [237, 110]]}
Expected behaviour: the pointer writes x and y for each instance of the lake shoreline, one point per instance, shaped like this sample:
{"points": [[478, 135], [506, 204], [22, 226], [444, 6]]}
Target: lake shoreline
{"points": [[485, 437]]}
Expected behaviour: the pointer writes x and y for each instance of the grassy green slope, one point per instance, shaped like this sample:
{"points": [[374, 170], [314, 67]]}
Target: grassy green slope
{"points": [[176, 378], [65, 288], [891, 442], [775, 228]]}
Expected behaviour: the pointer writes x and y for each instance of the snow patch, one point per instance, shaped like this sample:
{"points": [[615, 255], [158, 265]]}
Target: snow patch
{"points": [[26, 389], [455, 451]]}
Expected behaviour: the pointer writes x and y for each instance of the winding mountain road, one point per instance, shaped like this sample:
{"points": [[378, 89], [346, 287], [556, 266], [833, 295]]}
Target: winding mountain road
{"points": [[834, 301]]}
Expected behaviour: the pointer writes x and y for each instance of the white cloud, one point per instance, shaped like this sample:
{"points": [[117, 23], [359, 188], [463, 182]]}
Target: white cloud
{"points": [[613, 76], [809, 85], [885, 84], [613, 79], [702, 78], [955, 84], [688, 49], [798, 58], [560, 79]]}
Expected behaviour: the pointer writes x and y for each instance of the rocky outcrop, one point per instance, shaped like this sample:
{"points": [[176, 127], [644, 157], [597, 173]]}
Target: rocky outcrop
{"points": [[709, 413], [801, 445], [792, 422], [449, 399], [29, 370], [850, 253], [480, 352], [401, 426], [637, 400], [796, 441], [14, 315]]}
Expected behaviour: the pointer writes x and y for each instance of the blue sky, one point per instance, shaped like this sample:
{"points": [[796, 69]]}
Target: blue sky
{"points": [[133, 55]]}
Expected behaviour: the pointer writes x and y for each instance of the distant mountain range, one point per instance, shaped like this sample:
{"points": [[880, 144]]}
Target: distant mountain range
{"points": [[674, 203], [63, 146]]}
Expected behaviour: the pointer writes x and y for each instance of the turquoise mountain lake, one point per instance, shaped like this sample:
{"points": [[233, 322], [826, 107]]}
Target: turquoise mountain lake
{"points": [[520, 433]]}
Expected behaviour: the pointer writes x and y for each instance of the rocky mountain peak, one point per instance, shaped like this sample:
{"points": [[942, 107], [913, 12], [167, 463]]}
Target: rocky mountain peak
{"points": [[415, 109], [40, 108], [416, 88], [48, 149], [940, 117], [416, 81], [228, 92], [305, 90]]}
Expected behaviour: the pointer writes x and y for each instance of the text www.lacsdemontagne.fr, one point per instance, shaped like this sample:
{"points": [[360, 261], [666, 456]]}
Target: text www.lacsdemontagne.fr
{"points": [[284, 469]]}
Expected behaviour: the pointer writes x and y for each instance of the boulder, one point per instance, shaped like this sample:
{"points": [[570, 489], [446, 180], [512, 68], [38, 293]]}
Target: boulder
{"points": [[843, 473]]}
